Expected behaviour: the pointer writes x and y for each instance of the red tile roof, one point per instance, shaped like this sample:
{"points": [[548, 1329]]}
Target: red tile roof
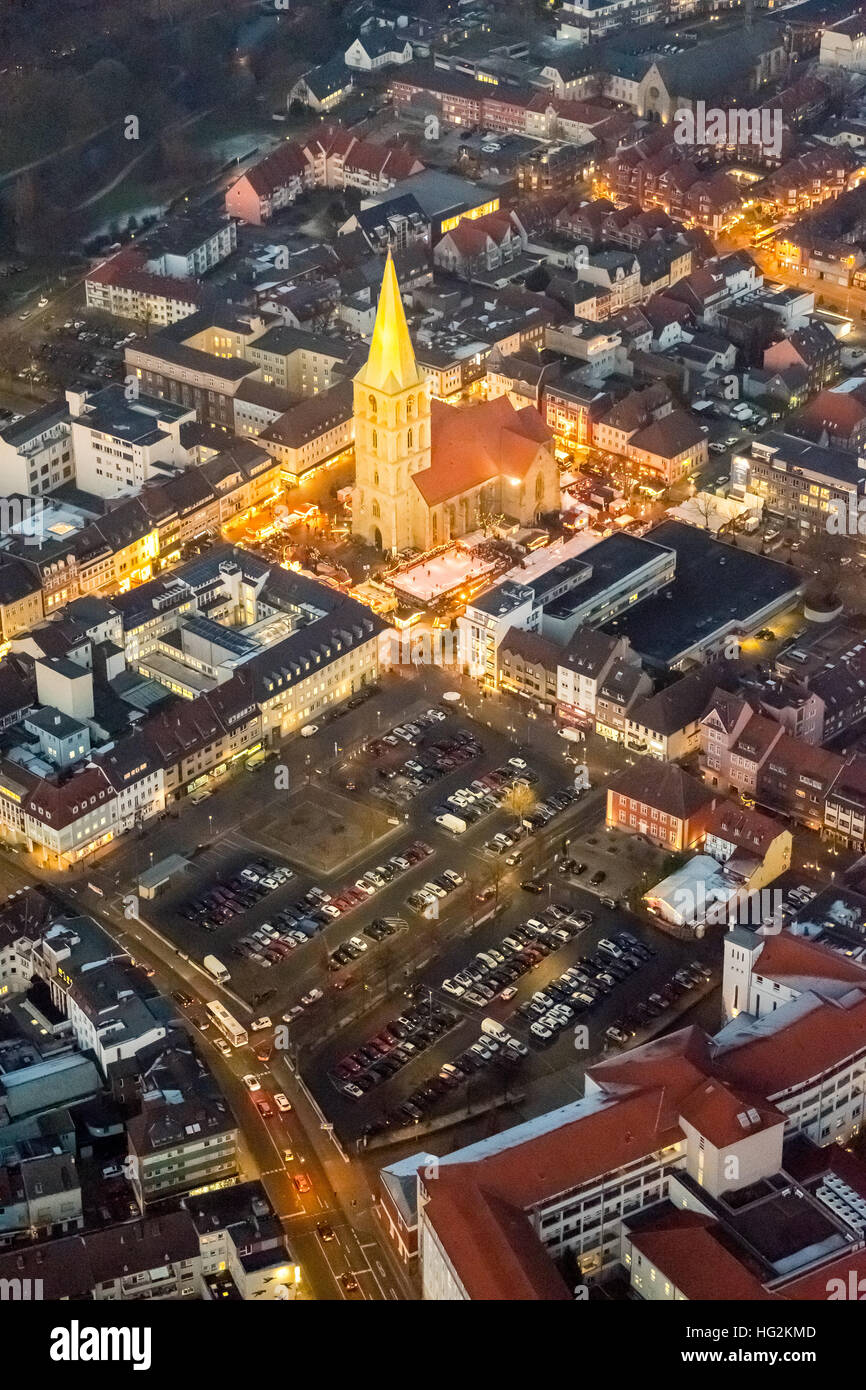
{"points": [[743, 827], [684, 1248], [816, 1287], [277, 170], [664, 786], [476, 1206], [59, 804], [715, 1111], [812, 1040], [787, 958], [476, 443], [838, 412], [125, 271]]}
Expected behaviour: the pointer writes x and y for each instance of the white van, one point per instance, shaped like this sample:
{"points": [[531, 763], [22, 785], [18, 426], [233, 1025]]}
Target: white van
{"points": [[495, 1030]]}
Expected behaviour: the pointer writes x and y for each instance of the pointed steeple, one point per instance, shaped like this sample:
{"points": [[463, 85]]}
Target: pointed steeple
{"points": [[391, 365]]}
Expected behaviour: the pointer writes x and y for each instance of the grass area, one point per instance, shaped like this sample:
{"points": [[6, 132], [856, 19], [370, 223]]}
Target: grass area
{"points": [[133, 197], [229, 125]]}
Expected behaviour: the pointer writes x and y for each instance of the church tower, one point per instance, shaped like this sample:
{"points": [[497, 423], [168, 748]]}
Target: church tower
{"points": [[392, 429]]}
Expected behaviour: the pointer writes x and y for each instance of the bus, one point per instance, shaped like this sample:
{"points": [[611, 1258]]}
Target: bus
{"points": [[764, 234], [236, 1034]]}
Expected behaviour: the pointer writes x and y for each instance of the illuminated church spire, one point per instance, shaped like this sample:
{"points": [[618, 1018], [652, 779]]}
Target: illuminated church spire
{"points": [[391, 365]]}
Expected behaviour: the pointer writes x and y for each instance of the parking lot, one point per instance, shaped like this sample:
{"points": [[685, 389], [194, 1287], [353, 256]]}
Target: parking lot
{"points": [[346, 851], [447, 883], [614, 863], [554, 977]]}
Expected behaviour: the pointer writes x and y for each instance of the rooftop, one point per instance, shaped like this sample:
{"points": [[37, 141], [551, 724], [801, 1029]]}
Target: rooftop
{"points": [[716, 589]]}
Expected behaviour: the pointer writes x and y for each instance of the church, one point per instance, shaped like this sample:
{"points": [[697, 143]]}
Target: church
{"points": [[427, 473]]}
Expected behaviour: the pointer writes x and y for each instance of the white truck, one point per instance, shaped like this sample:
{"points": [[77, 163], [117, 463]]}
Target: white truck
{"points": [[453, 823], [216, 968]]}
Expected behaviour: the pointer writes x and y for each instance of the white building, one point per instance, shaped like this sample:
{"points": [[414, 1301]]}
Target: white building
{"points": [[123, 287], [378, 49], [664, 1135], [844, 46], [36, 451], [120, 443], [186, 250]]}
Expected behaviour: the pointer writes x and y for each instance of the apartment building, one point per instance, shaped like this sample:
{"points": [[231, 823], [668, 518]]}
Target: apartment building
{"points": [[634, 412], [20, 598], [667, 724], [617, 273], [571, 408], [528, 665], [232, 653], [120, 444], [219, 365], [188, 247], [752, 755], [671, 448], [123, 286], [581, 671], [238, 1231], [754, 848], [481, 245], [152, 1259], [296, 361], [845, 806], [622, 687], [184, 1135], [36, 451], [802, 483], [312, 432], [329, 158]]}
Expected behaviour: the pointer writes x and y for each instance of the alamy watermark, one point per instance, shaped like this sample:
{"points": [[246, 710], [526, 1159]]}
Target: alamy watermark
{"points": [[77, 1343], [761, 908], [733, 126], [846, 519], [852, 1289], [23, 517], [21, 1290], [436, 647]]}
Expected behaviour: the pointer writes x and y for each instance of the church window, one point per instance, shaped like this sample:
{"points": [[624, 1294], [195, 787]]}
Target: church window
{"points": [[435, 528], [410, 407], [539, 487], [376, 511], [375, 440], [372, 405], [376, 478], [409, 439]]}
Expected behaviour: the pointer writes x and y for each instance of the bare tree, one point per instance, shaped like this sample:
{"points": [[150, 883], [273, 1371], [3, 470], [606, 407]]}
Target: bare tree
{"points": [[519, 800], [707, 508]]}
